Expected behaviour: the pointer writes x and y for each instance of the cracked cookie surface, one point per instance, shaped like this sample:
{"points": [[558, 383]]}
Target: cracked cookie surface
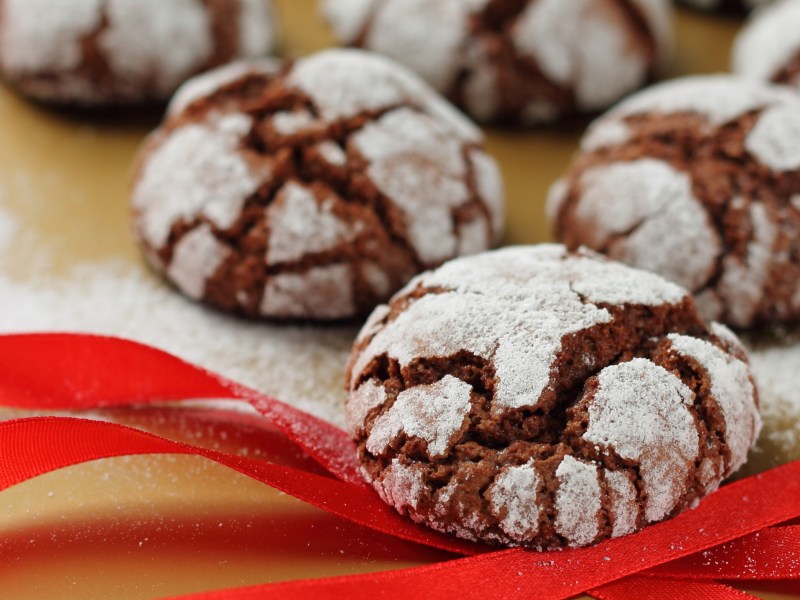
{"points": [[311, 190], [539, 397], [698, 180], [528, 61], [108, 52]]}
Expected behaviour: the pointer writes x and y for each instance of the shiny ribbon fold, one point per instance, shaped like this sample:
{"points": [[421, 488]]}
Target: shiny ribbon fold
{"points": [[740, 533]]}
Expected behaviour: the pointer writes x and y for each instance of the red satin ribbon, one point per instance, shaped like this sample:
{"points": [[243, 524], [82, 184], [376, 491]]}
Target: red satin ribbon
{"points": [[733, 534]]}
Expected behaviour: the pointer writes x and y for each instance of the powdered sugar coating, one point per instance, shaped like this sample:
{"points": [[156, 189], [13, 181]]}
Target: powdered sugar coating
{"points": [[642, 199], [513, 306], [320, 293], [351, 163], [300, 224], [369, 396], [401, 486], [640, 411], [591, 48], [515, 494], [433, 413], [577, 501], [148, 47], [197, 256], [623, 495], [733, 390], [768, 42], [773, 140], [195, 172]]}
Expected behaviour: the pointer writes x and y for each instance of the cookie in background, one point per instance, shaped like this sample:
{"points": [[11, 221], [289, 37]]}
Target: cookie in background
{"points": [[121, 52], [525, 62]]}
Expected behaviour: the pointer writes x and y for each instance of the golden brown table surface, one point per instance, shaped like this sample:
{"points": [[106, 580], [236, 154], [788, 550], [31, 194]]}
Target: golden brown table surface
{"points": [[150, 527]]}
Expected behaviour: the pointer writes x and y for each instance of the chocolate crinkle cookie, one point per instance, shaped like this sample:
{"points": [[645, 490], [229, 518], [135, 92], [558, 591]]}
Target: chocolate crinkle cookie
{"points": [[313, 189], [107, 52], [768, 48], [537, 397], [528, 61], [698, 180]]}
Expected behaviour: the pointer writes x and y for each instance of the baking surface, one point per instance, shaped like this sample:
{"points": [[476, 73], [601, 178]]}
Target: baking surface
{"points": [[148, 527]]}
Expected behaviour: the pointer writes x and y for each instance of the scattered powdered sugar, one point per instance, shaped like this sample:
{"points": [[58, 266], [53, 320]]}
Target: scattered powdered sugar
{"points": [[768, 42], [514, 493], [732, 390], [741, 286], [208, 83], [624, 502], [332, 153], [642, 199], [196, 257], [584, 45], [300, 224], [196, 171], [512, 306], [361, 401], [640, 410], [577, 501], [718, 98], [433, 413], [773, 140], [300, 365], [401, 486], [412, 159], [324, 292], [41, 35]]}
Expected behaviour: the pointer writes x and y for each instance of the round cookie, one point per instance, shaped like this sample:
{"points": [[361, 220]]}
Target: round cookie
{"points": [[107, 52], [532, 396], [313, 189], [768, 48], [725, 5], [530, 61], [698, 180]]}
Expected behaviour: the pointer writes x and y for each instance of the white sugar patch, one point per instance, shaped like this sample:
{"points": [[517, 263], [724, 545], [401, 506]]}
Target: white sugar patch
{"points": [[412, 160], [195, 171], [401, 486], [210, 82], [320, 292], [196, 257], [578, 502], [742, 284], [344, 83], [303, 366], [489, 183], [624, 502], [583, 45], [347, 18], [642, 199], [774, 139], [156, 42], [640, 410], [733, 391], [300, 224], [512, 306], [514, 494], [361, 401], [42, 35], [425, 36], [433, 413], [768, 42], [257, 27]]}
